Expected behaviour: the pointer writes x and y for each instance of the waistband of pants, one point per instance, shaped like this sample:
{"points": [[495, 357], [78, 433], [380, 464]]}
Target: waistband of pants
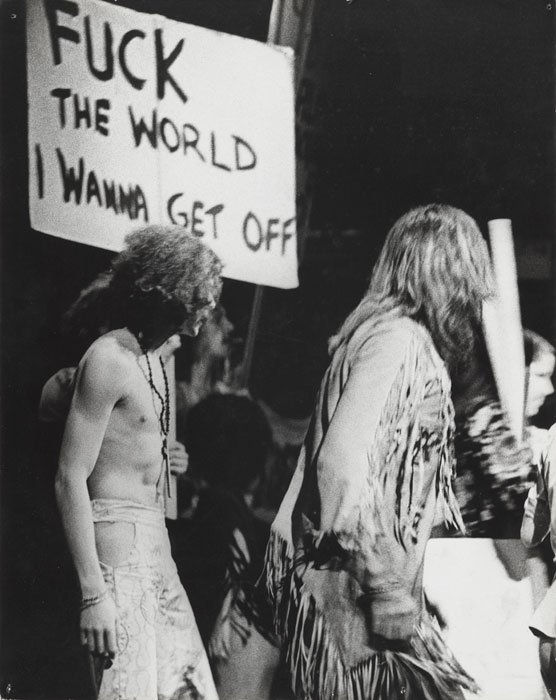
{"points": [[116, 510]]}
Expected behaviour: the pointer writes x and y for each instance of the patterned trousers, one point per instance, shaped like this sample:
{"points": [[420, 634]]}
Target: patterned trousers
{"points": [[160, 652]]}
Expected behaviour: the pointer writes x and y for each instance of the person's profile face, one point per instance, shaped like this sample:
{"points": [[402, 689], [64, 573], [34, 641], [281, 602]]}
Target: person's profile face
{"points": [[216, 333], [195, 321], [540, 383]]}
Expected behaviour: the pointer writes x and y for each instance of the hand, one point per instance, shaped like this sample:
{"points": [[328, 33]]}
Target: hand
{"points": [[179, 459], [98, 628]]}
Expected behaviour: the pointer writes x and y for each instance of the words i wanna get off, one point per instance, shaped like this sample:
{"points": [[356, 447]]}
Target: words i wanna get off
{"points": [[82, 186]]}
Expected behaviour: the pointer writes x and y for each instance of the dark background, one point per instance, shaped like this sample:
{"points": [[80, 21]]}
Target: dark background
{"points": [[400, 104]]}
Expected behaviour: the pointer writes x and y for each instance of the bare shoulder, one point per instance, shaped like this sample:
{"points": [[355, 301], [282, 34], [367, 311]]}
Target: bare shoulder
{"points": [[106, 365]]}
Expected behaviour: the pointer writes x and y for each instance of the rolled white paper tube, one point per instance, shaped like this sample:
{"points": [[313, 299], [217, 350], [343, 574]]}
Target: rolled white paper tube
{"points": [[503, 329]]}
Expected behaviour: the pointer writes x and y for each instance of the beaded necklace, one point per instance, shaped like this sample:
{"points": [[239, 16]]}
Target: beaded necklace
{"points": [[163, 417]]}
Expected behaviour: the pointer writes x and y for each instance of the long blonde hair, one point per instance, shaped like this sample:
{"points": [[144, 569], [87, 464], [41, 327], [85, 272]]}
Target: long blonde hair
{"points": [[434, 267]]}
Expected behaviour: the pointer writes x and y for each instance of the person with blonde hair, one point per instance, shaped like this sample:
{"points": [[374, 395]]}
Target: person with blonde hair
{"points": [[344, 563]]}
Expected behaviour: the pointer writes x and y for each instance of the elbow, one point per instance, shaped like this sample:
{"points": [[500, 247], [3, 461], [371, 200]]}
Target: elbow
{"points": [[332, 477], [338, 472], [70, 481], [339, 496], [63, 486]]}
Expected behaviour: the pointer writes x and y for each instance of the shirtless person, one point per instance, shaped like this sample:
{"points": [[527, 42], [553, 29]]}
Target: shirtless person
{"points": [[113, 470]]}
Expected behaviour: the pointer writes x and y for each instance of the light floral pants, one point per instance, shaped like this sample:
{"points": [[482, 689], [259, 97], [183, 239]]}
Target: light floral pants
{"points": [[160, 652]]}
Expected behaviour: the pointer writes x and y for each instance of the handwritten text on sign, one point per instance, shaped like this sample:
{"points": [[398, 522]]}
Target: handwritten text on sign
{"points": [[137, 119]]}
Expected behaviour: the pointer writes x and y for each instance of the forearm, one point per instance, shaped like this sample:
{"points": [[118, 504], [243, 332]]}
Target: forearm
{"points": [[364, 533], [75, 509], [383, 569], [381, 566]]}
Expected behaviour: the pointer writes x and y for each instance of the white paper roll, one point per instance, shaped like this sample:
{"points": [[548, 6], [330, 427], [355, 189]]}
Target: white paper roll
{"points": [[502, 326]]}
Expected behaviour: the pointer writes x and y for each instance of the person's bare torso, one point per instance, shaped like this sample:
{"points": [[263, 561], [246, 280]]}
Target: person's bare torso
{"points": [[130, 464]]}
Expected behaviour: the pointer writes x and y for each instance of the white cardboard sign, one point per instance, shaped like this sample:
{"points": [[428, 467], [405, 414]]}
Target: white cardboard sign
{"points": [[138, 119]]}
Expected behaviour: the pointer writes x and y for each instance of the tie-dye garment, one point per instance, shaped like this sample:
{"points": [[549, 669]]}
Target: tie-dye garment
{"points": [[494, 473]]}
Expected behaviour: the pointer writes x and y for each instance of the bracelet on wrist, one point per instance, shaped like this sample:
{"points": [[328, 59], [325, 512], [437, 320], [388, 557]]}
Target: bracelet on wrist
{"points": [[89, 601]]}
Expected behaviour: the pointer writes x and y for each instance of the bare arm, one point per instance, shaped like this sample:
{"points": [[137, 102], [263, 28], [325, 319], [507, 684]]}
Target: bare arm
{"points": [[97, 390]]}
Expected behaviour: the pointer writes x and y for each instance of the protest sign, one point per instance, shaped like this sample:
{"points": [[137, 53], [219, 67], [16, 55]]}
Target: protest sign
{"points": [[138, 119]]}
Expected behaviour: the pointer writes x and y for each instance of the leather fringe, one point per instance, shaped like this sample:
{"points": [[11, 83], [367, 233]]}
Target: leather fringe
{"points": [[429, 672]]}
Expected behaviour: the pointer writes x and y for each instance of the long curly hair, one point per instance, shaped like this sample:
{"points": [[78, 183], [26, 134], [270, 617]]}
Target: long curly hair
{"points": [[434, 267], [162, 276]]}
